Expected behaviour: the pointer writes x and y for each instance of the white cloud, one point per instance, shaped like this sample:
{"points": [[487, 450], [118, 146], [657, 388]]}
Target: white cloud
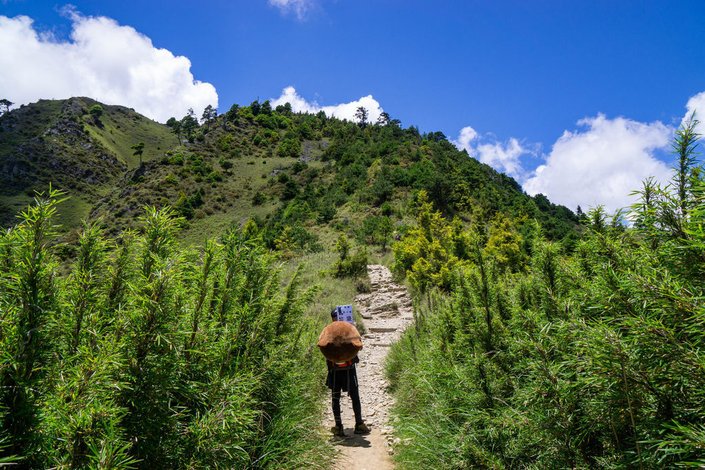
{"points": [[503, 157], [601, 164], [103, 60], [298, 7], [465, 138], [340, 111], [697, 104]]}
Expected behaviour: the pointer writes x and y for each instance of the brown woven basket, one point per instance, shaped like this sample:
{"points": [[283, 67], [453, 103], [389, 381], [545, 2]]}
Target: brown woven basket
{"points": [[340, 341]]}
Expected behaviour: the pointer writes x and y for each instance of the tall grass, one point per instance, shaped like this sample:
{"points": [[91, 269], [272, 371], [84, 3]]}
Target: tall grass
{"points": [[147, 356], [584, 359]]}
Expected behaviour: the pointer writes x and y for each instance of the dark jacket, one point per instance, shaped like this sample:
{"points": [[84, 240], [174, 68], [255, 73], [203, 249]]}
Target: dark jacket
{"points": [[342, 378]]}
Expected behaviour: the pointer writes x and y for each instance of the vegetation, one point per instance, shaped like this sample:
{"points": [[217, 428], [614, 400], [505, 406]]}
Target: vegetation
{"points": [[96, 111], [140, 340], [292, 172], [348, 264], [76, 144], [5, 105], [142, 355], [529, 353], [138, 150]]}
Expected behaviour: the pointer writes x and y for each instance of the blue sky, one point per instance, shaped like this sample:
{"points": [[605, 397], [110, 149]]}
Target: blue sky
{"points": [[575, 99]]}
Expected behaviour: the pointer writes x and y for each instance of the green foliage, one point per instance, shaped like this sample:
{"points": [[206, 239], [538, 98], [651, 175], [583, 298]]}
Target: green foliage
{"points": [[174, 159], [361, 115], [188, 125], [295, 238], [290, 190], [427, 255], [232, 113], [209, 114], [258, 199], [684, 147], [349, 264], [138, 150], [96, 111], [175, 126], [578, 359], [198, 165], [186, 205], [504, 244], [289, 148], [342, 246], [143, 355], [5, 105], [377, 230]]}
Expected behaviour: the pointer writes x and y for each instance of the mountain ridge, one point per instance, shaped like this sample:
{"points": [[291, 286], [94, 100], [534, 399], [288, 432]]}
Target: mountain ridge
{"points": [[250, 162]]}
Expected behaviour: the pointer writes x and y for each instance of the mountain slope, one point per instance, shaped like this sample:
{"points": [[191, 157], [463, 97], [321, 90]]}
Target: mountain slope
{"points": [[301, 176], [61, 142]]}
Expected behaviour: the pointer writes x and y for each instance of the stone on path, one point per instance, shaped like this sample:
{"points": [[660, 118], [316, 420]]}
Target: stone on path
{"points": [[387, 311]]}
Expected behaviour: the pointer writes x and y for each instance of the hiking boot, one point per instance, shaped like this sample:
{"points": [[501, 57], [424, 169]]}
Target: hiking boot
{"points": [[338, 430], [362, 428]]}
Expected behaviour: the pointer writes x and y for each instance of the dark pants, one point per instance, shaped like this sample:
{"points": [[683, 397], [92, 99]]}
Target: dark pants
{"points": [[345, 380]]}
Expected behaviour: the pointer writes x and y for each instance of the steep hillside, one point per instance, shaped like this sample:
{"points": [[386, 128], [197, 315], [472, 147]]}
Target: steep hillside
{"points": [[301, 177], [78, 145]]}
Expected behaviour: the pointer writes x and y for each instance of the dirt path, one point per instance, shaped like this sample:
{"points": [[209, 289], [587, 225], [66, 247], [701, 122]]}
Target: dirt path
{"points": [[386, 311]]}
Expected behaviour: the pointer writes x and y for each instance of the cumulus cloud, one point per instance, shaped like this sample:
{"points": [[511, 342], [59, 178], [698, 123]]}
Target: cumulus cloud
{"points": [[502, 156], [465, 139], [340, 111], [298, 7], [601, 164], [103, 60]]}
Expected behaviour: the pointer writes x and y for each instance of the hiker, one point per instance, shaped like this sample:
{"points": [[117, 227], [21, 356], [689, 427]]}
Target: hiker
{"points": [[343, 377]]}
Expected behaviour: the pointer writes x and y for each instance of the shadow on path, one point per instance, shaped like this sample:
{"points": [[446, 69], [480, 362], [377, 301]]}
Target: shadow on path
{"points": [[351, 440]]}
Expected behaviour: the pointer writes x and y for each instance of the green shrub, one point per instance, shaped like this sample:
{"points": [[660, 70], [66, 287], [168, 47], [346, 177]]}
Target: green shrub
{"points": [[349, 265], [142, 354], [225, 164], [258, 199], [353, 266], [214, 176], [584, 358], [289, 147]]}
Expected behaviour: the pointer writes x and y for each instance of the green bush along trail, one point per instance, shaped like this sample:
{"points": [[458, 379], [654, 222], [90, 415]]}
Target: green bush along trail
{"points": [[528, 353], [142, 354]]}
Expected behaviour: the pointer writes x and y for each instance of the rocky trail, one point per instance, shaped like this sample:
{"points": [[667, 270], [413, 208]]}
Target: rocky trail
{"points": [[386, 312]]}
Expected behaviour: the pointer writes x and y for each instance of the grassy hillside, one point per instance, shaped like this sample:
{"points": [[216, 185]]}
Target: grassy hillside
{"points": [[303, 180], [306, 175], [120, 128], [61, 142]]}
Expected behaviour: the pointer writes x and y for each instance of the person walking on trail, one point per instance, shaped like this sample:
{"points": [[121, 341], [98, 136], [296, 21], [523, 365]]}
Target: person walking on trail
{"points": [[342, 377]]}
